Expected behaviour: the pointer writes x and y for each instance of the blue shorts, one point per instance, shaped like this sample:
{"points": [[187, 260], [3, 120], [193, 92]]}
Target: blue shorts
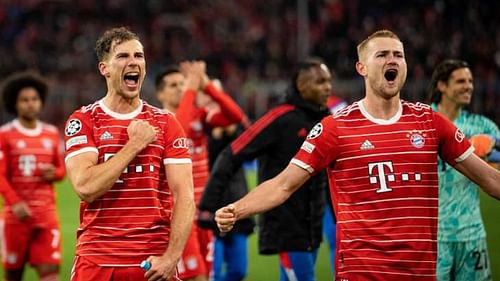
{"points": [[230, 258], [298, 266]]}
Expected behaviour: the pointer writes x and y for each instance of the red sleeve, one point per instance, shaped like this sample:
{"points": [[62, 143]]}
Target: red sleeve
{"points": [[58, 160], [78, 135], [187, 109], [320, 147], [453, 145], [229, 113], [8, 193], [176, 144]]}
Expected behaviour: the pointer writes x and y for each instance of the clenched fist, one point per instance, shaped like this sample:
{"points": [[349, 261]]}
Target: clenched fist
{"points": [[141, 133], [226, 218]]}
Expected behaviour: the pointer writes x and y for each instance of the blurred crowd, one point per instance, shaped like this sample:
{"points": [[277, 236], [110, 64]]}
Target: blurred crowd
{"points": [[248, 44]]}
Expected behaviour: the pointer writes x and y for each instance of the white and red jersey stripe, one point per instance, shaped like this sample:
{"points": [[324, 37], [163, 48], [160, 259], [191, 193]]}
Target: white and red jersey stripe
{"points": [[384, 185], [132, 220]]}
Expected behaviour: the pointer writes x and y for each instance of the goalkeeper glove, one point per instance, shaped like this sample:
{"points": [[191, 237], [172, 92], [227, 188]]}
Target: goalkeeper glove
{"points": [[486, 146], [483, 144]]}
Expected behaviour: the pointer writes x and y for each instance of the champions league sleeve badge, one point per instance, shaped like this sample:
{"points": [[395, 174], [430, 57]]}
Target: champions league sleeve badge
{"points": [[315, 132], [74, 126]]}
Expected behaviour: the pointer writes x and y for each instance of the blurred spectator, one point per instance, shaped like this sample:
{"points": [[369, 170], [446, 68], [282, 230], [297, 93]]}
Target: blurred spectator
{"points": [[250, 44]]}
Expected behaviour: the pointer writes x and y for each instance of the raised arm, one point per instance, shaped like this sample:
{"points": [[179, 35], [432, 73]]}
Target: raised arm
{"points": [[482, 174], [265, 196], [91, 179], [229, 112]]}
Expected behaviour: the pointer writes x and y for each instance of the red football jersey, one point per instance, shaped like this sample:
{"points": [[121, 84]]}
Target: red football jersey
{"points": [[22, 152], [384, 185], [197, 123], [195, 126], [132, 220]]}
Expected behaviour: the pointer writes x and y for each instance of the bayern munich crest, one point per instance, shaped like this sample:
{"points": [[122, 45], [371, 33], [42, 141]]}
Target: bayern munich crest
{"points": [[74, 126], [417, 140]]}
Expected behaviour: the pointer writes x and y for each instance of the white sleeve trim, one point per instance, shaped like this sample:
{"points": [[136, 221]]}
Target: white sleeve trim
{"points": [[464, 155], [302, 165], [80, 151], [167, 161]]}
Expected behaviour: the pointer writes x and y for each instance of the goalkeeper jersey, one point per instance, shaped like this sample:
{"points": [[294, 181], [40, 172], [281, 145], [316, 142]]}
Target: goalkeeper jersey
{"points": [[459, 213]]}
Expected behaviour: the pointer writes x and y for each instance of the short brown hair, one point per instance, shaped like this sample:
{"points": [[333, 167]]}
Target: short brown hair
{"points": [[110, 38], [383, 33]]}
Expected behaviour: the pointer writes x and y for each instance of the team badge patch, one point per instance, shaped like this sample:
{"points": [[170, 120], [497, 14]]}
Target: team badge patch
{"points": [[315, 132], [191, 263], [74, 126], [47, 144], [417, 139], [21, 144]]}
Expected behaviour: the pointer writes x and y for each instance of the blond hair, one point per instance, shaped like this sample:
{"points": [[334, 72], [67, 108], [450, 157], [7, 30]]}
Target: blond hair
{"points": [[383, 33]]}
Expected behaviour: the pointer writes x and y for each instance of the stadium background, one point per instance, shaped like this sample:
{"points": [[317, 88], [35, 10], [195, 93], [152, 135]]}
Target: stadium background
{"points": [[249, 45]]}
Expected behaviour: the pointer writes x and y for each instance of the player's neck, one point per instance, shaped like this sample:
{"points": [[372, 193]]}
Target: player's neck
{"points": [[381, 108], [451, 111], [121, 104], [28, 123]]}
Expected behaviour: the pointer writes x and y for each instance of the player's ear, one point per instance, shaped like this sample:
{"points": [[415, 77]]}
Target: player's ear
{"points": [[103, 69], [441, 86], [360, 68]]}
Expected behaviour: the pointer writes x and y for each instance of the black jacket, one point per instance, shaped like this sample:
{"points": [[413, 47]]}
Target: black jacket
{"points": [[213, 199], [274, 139]]}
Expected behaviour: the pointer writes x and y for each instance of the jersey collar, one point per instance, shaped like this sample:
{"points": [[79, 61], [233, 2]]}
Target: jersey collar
{"points": [[121, 116], [27, 131], [389, 121]]}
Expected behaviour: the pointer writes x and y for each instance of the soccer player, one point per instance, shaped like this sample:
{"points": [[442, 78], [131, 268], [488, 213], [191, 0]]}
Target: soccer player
{"points": [[293, 230], [381, 158], [462, 251], [129, 163], [30, 163], [186, 91]]}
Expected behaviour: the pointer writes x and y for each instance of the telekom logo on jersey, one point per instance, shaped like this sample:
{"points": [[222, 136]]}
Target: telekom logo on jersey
{"points": [[27, 164], [378, 174]]}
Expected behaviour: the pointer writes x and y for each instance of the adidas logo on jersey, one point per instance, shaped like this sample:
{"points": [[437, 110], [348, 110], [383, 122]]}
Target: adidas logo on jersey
{"points": [[366, 145], [106, 136]]}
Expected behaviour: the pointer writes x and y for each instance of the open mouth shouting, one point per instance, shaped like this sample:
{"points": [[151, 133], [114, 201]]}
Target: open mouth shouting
{"points": [[131, 79], [391, 74]]}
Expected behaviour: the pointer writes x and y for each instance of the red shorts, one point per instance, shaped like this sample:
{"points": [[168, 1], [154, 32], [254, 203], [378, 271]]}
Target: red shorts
{"points": [[198, 256], [26, 243], [84, 270]]}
